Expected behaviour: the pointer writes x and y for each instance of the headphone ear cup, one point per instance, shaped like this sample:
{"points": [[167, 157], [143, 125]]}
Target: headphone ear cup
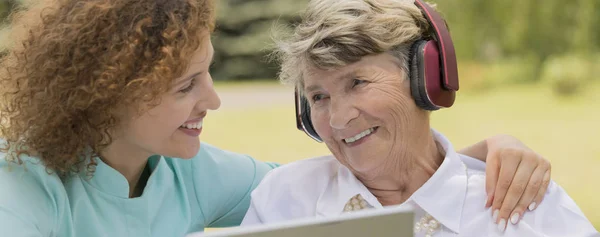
{"points": [[418, 88], [308, 126]]}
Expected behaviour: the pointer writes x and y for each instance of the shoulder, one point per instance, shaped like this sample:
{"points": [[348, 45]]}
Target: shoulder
{"points": [[312, 170], [220, 181], [472, 163], [475, 173], [31, 193], [29, 175], [558, 215], [308, 176], [293, 190], [218, 163]]}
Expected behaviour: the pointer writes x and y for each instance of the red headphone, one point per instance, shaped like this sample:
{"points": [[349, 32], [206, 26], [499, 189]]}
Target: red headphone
{"points": [[433, 72]]}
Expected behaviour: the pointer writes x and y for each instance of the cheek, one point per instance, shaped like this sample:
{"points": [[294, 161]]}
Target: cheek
{"points": [[148, 127], [405, 119], [389, 97], [175, 112], [402, 111], [164, 119], [161, 120], [320, 121], [396, 106]]}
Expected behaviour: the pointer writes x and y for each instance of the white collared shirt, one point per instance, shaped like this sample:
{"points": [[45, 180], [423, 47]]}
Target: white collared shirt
{"points": [[454, 196]]}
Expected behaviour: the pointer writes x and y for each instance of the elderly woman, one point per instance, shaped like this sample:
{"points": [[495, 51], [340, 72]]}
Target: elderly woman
{"points": [[361, 64]]}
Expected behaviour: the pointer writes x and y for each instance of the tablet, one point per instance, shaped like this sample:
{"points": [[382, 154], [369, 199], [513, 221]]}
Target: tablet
{"points": [[396, 221]]}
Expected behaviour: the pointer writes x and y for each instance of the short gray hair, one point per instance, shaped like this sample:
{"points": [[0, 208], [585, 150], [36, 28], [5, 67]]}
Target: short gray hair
{"points": [[335, 33]]}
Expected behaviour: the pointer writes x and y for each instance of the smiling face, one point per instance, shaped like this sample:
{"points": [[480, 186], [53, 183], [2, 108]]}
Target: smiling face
{"points": [[365, 114], [172, 127]]}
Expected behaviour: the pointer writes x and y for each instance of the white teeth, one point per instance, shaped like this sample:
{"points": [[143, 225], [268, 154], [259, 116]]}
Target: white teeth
{"points": [[359, 136], [197, 125]]}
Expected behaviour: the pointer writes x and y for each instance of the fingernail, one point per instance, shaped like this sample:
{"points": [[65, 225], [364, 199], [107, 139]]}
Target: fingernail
{"points": [[502, 225], [514, 218], [495, 216], [532, 206]]}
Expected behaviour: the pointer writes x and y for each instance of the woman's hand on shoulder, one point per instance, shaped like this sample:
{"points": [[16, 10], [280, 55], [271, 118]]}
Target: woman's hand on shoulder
{"points": [[516, 178]]}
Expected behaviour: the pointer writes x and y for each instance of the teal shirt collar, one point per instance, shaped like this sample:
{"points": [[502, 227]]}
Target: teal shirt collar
{"points": [[108, 180]]}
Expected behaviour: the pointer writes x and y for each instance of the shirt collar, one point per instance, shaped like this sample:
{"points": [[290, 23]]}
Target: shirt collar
{"points": [[108, 180], [340, 190], [442, 196]]}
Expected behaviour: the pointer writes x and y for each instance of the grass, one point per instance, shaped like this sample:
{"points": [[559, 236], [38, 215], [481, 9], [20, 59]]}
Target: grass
{"points": [[565, 131]]}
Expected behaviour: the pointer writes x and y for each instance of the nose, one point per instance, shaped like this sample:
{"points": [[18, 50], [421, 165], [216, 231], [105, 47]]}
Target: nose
{"points": [[210, 99], [342, 111]]}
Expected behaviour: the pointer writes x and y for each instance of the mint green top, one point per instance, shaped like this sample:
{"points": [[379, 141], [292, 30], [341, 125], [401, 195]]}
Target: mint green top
{"points": [[181, 196]]}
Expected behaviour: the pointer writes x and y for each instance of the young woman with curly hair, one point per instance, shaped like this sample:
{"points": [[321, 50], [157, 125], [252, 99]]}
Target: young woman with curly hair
{"points": [[101, 106]]}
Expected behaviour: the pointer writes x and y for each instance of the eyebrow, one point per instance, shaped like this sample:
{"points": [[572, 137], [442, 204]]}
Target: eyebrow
{"points": [[311, 89], [352, 73], [182, 82], [192, 76]]}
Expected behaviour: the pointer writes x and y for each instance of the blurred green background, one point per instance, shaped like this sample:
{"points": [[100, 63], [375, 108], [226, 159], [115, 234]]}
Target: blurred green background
{"points": [[528, 68]]}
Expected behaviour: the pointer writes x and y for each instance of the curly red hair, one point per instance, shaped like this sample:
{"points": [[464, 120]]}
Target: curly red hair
{"points": [[81, 61]]}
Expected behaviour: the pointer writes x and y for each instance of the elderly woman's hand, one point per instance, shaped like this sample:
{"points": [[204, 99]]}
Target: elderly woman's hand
{"points": [[516, 178]]}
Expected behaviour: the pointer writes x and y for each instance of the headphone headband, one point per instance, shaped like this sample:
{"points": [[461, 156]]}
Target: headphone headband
{"points": [[449, 71]]}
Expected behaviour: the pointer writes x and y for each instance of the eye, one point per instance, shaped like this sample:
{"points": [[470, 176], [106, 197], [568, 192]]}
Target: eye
{"points": [[356, 82], [317, 97], [189, 87]]}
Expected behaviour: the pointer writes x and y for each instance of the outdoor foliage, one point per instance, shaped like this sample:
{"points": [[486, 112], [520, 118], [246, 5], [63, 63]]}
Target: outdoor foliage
{"points": [[514, 41]]}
